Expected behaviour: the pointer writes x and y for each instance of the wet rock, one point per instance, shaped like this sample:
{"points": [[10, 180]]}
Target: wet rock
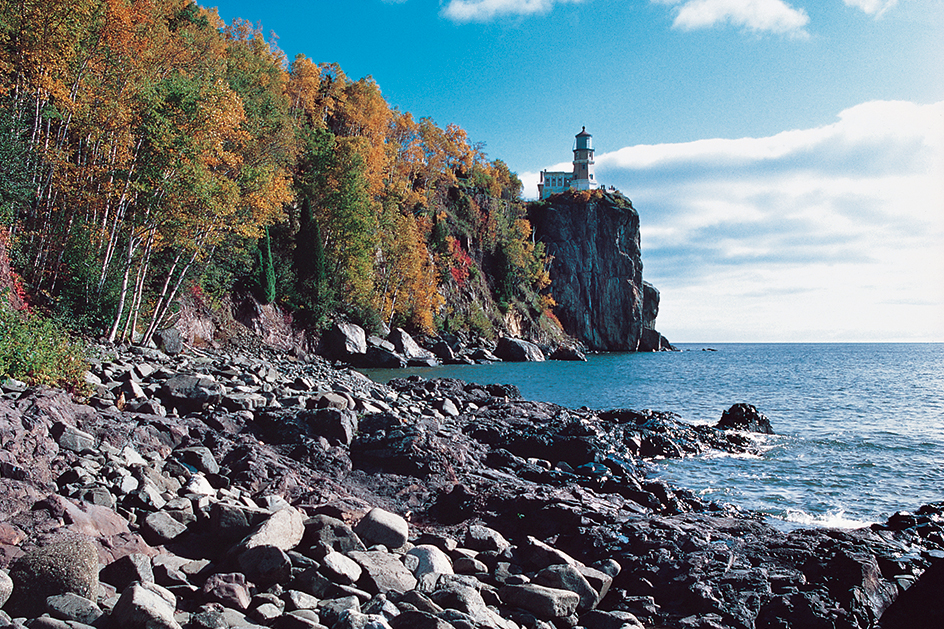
{"points": [[745, 417]]}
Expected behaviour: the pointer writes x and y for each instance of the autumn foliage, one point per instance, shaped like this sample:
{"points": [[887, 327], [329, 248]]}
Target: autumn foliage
{"points": [[148, 146]]}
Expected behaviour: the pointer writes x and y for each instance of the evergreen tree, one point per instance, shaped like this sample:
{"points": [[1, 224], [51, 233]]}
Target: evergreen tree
{"points": [[265, 280]]}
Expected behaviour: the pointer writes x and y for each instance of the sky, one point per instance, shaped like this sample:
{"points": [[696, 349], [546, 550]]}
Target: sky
{"points": [[786, 157]]}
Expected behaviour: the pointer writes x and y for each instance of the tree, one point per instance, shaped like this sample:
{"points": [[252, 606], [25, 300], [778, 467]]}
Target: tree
{"points": [[265, 280]]}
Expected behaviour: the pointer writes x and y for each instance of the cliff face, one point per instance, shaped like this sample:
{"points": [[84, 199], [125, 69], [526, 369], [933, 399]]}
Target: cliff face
{"points": [[596, 271]]}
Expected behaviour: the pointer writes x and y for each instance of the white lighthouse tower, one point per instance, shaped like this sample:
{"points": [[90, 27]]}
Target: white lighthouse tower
{"points": [[582, 177], [583, 162]]}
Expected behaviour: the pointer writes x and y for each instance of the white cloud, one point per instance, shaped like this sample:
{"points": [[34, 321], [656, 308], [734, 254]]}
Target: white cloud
{"points": [[486, 10], [772, 16], [830, 233], [871, 7]]}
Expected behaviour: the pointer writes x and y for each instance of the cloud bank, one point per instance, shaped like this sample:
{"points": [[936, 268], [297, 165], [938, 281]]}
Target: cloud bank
{"points": [[828, 234], [759, 16], [486, 10]]}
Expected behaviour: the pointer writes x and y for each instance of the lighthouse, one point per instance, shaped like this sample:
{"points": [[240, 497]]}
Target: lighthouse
{"points": [[583, 162], [582, 177]]}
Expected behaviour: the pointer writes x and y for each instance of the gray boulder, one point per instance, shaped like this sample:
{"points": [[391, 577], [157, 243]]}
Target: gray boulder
{"points": [[169, 341], [6, 587], [283, 529], [73, 607], [543, 602], [344, 340], [383, 527], [145, 606], [384, 572], [518, 350], [69, 566], [407, 346], [191, 393], [565, 577]]}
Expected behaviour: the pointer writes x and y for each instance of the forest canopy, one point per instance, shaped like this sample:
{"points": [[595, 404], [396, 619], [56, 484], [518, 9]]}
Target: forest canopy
{"points": [[150, 150]]}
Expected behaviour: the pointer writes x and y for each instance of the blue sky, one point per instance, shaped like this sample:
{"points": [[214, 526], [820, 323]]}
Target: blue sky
{"points": [[786, 156]]}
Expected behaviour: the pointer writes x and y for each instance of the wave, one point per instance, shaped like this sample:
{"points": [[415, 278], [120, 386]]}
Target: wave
{"points": [[831, 519]]}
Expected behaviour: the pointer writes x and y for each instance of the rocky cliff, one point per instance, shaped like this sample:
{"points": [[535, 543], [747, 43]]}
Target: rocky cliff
{"points": [[596, 271]]}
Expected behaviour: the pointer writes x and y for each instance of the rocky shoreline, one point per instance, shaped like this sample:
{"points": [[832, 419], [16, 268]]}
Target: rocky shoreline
{"points": [[251, 489]]}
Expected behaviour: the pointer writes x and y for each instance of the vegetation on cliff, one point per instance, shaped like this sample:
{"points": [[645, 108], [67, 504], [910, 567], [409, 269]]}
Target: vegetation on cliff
{"points": [[149, 150]]}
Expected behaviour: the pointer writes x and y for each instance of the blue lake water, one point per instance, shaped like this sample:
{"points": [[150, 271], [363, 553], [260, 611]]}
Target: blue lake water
{"points": [[860, 426]]}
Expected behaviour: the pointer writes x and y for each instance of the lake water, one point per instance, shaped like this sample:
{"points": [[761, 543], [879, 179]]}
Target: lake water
{"points": [[860, 427]]}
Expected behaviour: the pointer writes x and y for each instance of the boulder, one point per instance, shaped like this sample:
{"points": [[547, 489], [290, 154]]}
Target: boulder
{"points": [[169, 341], [565, 577], [340, 568], [344, 340], [229, 589], [543, 602], [68, 566], [124, 571], [382, 527], [406, 346], [145, 606], [325, 534], [518, 350], [383, 572], [745, 417], [568, 352], [381, 358], [191, 393], [6, 587], [73, 607], [283, 529], [265, 565], [336, 425]]}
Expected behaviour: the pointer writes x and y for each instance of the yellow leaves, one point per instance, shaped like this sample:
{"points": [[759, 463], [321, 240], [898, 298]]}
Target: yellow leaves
{"points": [[409, 282]]}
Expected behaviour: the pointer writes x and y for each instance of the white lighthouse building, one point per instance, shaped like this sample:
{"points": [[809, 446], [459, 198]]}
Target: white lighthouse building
{"points": [[582, 177]]}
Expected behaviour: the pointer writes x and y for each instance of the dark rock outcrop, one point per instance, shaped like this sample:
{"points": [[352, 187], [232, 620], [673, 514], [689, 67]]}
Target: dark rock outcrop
{"points": [[596, 268], [745, 417]]}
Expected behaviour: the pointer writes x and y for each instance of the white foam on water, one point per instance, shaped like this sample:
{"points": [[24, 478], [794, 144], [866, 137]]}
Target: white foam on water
{"points": [[831, 520]]}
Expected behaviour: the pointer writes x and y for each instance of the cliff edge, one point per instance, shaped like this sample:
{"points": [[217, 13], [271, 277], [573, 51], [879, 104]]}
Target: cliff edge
{"points": [[596, 270]]}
